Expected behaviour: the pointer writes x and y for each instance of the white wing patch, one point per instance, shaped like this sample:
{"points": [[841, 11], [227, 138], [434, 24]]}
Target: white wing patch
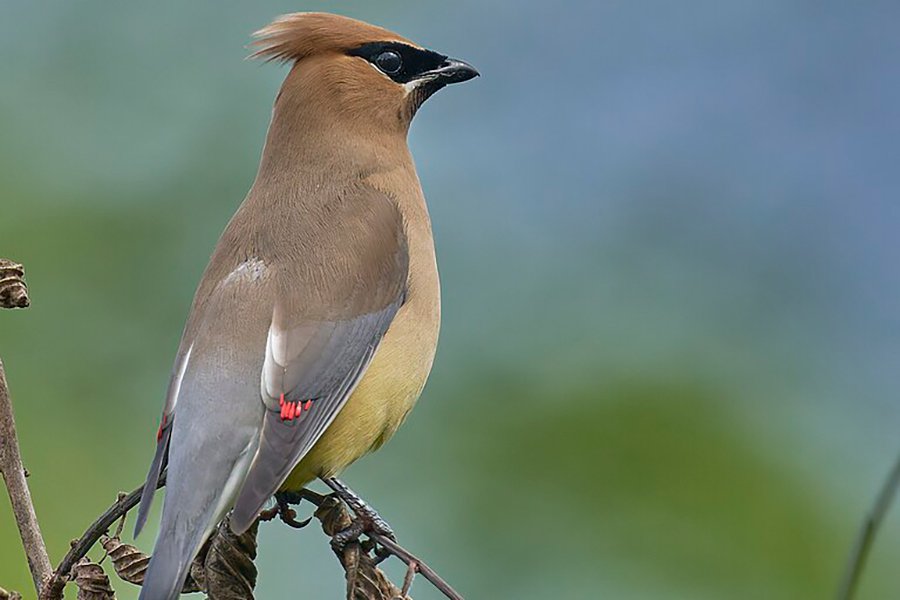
{"points": [[251, 269], [282, 347], [175, 385]]}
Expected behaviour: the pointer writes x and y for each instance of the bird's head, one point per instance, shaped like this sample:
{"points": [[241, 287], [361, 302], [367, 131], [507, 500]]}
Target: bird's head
{"points": [[354, 72]]}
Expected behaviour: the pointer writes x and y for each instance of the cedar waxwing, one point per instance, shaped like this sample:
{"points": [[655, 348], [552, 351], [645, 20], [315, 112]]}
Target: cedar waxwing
{"points": [[314, 327]]}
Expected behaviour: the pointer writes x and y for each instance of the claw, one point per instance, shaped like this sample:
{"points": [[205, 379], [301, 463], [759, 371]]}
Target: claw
{"points": [[283, 510], [373, 520], [381, 527], [367, 520], [346, 537]]}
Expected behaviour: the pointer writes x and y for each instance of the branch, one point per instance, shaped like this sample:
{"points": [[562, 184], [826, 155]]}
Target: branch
{"points": [[225, 565], [223, 568], [335, 518], [417, 566], [866, 534], [80, 547], [14, 294], [365, 581]]}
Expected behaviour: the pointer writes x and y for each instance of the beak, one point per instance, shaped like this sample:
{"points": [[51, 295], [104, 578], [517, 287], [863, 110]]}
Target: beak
{"points": [[451, 71]]}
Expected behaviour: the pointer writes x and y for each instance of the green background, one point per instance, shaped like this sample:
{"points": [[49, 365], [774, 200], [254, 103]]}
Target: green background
{"points": [[668, 239]]}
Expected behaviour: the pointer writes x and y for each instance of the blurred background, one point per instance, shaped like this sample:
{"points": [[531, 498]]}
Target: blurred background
{"points": [[668, 241]]}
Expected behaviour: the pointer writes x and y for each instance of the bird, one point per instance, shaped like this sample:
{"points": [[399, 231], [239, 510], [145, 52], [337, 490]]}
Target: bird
{"points": [[314, 326]]}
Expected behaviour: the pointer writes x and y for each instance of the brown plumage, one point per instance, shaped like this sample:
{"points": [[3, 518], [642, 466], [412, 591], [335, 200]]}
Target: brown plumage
{"points": [[313, 329], [297, 36]]}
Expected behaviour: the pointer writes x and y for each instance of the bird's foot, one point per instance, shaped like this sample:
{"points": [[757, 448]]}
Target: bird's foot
{"points": [[349, 537], [371, 520], [282, 509], [366, 521]]}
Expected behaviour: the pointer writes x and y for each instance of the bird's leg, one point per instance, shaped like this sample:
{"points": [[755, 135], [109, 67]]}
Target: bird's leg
{"points": [[367, 519]]}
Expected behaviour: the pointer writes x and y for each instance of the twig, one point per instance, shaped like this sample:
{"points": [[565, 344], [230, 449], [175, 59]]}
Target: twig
{"points": [[80, 547], [391, 546], [866, 534], [409, 558], [411, 571], [365, 581], [14, 294], [19, 495]]}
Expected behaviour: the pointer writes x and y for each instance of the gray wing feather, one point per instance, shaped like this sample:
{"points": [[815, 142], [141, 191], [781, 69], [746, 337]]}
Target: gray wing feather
{"points": [[332, 368], [213, 440], [215, 394], [165, 434], [150, 484]]}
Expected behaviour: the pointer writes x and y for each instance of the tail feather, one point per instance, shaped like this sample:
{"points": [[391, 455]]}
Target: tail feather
{"points": [[206, 451], [187, 521], [168, 569], [195, 503]]}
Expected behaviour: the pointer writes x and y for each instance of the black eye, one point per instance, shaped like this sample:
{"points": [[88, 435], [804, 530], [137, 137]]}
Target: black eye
{"points": [[389, 62]]}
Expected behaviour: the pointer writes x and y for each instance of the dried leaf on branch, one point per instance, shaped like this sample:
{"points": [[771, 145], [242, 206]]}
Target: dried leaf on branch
{"points": [[365, 581], [230, 573], [13, 292], [92, 581], [5, 595]]}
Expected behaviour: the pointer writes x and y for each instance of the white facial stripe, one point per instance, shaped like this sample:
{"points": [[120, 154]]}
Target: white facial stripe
{"points": [[411, 85]]}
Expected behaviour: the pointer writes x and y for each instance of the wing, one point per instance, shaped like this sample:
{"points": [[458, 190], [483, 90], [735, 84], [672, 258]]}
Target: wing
{"points": [[163, 435], [326, 327], [223, 276], [217, 413]]}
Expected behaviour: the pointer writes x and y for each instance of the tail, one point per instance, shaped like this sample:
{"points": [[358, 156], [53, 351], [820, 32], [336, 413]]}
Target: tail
{"points": [[196, 500], [187, 522], [168, 569], [189, 515], [210, 446]]}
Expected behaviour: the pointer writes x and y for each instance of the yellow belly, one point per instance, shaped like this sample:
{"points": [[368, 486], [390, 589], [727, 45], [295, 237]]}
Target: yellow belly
{"points": [[385, 395]]}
